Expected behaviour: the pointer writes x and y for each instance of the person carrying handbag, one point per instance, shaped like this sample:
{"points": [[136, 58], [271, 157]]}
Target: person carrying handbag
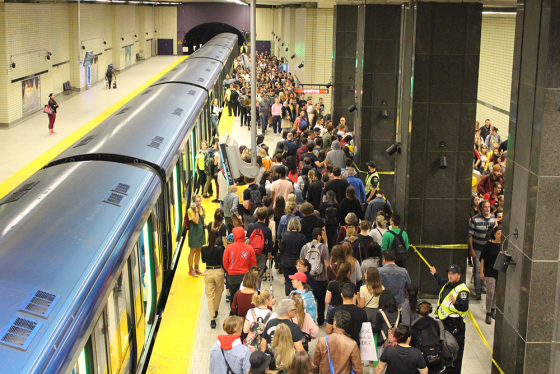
{"points": [[51, 112]]}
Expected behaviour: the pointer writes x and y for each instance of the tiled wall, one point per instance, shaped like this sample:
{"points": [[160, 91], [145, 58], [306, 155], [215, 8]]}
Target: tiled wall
{"points": [[496, 62], [28, 31], [308, 33], [264, 23]]}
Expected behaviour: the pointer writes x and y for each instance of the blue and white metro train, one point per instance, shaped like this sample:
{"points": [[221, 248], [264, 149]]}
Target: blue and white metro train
{"points": [[88, 244]]}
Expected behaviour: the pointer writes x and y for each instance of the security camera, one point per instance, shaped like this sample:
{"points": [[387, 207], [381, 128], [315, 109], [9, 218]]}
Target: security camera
{"points": [[286, 49], [329, 85], [13, 65], [83, 47], [122, 38], [282, 45], [384, 114], [352, 108], [393, 149], [300, 66], [293, 56]]}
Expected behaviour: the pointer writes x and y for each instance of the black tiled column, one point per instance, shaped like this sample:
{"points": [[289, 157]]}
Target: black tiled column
{"points": [[527, 324], [435, 202], [380, 86], [344, 62]]}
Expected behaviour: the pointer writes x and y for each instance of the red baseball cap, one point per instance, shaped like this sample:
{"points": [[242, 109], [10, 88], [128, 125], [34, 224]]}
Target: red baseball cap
{"points": [[300, 277]]}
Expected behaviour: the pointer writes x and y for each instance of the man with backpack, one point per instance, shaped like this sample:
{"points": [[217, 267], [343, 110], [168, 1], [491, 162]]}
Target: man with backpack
{"points": [[397, 240], [453, 305], [426, 336], [252, 199], [377, 204], [260, 238], [109, 76], [316, 252]]}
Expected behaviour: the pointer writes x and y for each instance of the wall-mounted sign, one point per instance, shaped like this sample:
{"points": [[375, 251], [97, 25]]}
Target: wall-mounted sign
{"points": [[312, 90]]}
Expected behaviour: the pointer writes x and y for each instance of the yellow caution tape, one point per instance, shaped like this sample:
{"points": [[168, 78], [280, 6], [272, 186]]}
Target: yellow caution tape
{"points": [[445, 246], [468, 312], [379, 172]]}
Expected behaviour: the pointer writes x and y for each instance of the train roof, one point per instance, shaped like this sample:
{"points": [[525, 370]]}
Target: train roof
{"points": [[150, 127], [198, 72], [222, 41], [58, 237], [215, 52]]}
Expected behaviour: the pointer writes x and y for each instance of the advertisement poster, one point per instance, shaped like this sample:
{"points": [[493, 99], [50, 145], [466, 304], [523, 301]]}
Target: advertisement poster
{"points": [[31, 95], [94, 69], [127, 56]]}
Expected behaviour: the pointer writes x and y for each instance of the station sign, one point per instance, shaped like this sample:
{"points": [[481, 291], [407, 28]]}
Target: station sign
{"points": [[311, 90]]}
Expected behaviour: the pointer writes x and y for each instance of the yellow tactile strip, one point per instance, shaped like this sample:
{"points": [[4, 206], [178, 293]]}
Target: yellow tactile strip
{"points": [[175, 340], [18, 177]]}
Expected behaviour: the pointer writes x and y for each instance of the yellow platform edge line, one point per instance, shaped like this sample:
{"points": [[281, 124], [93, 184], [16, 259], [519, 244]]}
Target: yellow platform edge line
{"points": [[28, 170], [176, 337]]}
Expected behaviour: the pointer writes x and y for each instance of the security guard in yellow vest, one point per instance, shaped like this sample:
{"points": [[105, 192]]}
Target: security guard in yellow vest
{"points": [[244, 48], [372, 182], [453, 305]]}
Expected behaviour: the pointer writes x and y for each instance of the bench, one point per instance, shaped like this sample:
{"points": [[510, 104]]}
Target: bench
{"points": [[67, 88]]}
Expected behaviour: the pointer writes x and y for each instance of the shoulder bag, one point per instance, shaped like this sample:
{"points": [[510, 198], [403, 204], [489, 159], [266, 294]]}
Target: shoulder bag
{"points": [[235, 221]]}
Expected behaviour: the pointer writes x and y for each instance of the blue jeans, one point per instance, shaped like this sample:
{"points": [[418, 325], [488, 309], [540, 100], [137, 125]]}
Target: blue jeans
{"points": [[476, 272], [277, 124], [215, 125], [264, 122]]}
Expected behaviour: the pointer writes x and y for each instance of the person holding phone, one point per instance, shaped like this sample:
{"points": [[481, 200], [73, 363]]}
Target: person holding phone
{"points": [[196, 235]]}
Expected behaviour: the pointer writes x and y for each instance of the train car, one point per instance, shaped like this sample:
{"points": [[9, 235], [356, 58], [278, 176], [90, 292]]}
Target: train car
{"points": [[89, 243]]}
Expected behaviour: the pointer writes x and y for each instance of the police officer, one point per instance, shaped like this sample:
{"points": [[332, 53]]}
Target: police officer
{"points": [[453, 305], [372, 182], [244, 48]]}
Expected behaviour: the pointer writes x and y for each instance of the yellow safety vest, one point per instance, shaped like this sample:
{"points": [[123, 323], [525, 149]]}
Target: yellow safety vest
{"points": [[369, 186], [445, 308]]}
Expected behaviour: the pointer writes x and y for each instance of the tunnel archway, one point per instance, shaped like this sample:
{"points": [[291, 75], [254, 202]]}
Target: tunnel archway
{"points": [[202, 33]]}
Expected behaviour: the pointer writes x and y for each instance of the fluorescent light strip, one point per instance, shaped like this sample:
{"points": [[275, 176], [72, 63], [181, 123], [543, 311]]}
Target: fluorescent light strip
{"points": [[505, 13]]}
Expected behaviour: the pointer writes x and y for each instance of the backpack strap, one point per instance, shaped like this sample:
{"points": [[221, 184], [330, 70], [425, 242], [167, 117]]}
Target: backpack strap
{"points": [[254, 315], [386, 321], [329, 354], [441, 329], [227, 363]]}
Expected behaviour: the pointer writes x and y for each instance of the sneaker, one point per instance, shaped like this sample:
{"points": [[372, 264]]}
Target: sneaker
{"points": [[206, 196], [478, 297], [192, 273], [216, 314], [213, 324], [493, 313], [197, 271], [488, 319]]}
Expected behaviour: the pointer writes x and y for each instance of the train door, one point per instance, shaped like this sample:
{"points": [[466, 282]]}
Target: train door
{"points": [[137, 300], [176, 209], [148, 273]]}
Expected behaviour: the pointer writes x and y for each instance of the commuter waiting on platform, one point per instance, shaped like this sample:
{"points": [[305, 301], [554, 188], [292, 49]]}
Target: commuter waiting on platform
{"points": [[212, 255], [52, 115], [238, 258], [215, 113], [196, 234]]}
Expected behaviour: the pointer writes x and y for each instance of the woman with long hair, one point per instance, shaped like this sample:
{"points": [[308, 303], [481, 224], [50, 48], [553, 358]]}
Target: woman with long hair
{"points": [[283, 347], [196, 234], [304, 320], [475, 208], [330, 212], [262, 311], [293, 171], [368, 297], [408, 308], [334, 289], [388, 316], [243, 299], [350, 204], [337, 257], [301, 364], [300, 286], [379, 228], [493, 197], [351, 219], [356, 270], [212, 256], [352, 238]]}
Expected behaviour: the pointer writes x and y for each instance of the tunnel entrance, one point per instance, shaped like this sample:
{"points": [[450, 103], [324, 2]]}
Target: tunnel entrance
{"points": [[201, 34]]}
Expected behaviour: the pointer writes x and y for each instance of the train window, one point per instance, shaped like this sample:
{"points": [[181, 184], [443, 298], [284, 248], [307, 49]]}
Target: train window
{"points": [[100, 339], [81, 367], [114, 337], [177, 200], [137, 298], [172, 202], [121, 290], [192, 150], [157, 247]]}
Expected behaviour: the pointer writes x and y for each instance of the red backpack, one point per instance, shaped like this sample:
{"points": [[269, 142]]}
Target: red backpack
{"points": [[256, 240], [293, 177]]}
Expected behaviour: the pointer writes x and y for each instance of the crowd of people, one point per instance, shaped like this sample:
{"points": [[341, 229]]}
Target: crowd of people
{"points": [[337, 242]]}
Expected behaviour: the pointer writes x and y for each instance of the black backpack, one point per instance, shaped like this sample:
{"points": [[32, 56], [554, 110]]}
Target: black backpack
{"points": [[109, 73], [234, 96], [430, 345], [331, 216], [387, 210], [398, 246], [255, 198]]}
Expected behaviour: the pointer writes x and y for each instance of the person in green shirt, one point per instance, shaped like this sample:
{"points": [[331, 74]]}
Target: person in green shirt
{"points": [[327, 138], [389, 238]]}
